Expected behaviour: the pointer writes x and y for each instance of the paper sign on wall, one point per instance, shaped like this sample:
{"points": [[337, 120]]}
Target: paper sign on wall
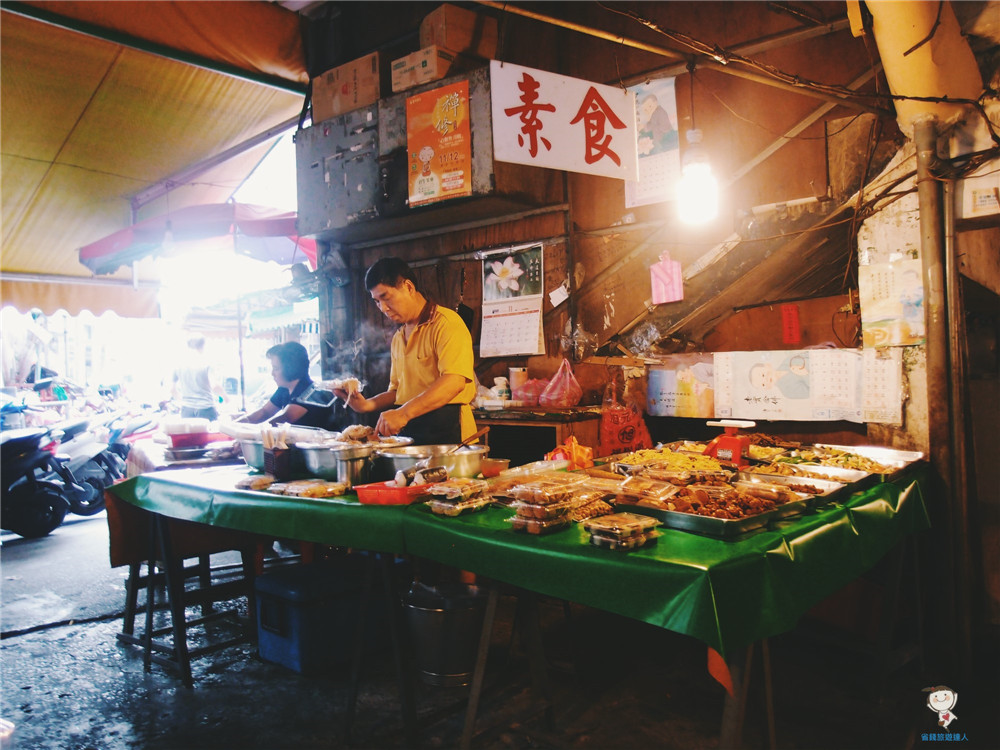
{"points": [[438, 144], [549, 120]]}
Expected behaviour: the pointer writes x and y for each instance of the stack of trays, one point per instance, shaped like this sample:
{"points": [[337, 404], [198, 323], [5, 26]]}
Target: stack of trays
{"points": [[622, 531], [458, 495]]}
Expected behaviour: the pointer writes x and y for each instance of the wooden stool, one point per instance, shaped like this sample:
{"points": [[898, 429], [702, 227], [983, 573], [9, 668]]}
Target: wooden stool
{"points": [[139, 537]]}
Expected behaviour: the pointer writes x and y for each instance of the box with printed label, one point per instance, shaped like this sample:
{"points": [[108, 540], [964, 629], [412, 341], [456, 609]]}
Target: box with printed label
{"points": [[347, 87], [423, 66], [460, 30]]}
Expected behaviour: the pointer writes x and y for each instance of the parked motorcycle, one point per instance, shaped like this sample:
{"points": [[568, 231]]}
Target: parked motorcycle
{"points": [[30, 505], [85, 466]]}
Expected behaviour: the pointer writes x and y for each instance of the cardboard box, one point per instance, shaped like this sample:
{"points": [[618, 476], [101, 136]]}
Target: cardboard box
{"points": [[347, 87], [423, 66], [460, 30]]}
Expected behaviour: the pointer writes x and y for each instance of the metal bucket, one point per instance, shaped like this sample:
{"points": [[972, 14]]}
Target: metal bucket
{"points": [[445, 623]]}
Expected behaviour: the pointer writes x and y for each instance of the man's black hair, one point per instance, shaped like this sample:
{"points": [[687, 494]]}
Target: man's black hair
{"points": [[388, 271]]}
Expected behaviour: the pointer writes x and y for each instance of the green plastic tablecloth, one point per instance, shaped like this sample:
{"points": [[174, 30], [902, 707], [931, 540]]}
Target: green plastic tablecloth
{"points": [[727, 594], [208, 495]]}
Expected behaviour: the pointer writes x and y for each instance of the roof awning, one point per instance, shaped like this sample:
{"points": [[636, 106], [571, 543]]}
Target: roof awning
{"points": [[75, 295], [257, 231]]}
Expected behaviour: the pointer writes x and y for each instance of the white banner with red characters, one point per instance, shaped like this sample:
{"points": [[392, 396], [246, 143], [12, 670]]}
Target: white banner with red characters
{"points": [[549, 120]]}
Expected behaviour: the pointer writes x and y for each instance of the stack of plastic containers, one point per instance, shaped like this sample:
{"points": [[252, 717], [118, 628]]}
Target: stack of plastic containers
{"points": [[458, 495], [622, 531]]}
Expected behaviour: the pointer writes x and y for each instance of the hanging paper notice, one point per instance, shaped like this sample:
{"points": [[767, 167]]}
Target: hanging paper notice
{"points": [[802, 384], [883, 385], [549, 120], [512, 303], [657, 144], [682, 385], [438, 144], [892, 303], [667, 280]]}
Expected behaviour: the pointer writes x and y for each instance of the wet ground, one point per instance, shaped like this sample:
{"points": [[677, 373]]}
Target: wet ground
{"points": [[67, 683]]}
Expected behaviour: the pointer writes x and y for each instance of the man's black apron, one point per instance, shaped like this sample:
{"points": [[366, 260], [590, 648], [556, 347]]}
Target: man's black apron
{"points": [[442, 426]]}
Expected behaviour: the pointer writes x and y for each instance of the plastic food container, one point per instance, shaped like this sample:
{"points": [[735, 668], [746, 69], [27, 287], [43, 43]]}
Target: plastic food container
{"points": [[621, 524], [538, 525], [538, 510], [545, 491], [643, 487], [389, 493], [458, 488], [610, 541], [449, 508]]}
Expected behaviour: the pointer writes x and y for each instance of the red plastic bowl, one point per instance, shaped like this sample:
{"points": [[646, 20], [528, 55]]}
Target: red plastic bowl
{"points": [[190, 440]]}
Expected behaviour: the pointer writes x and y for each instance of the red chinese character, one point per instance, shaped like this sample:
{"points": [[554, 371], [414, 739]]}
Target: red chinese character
{"points": [[529, 114], [595, 112]]}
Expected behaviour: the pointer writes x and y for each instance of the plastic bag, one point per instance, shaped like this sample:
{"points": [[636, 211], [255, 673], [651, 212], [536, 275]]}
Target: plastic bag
{"points": [[579, 456], [622, 427], [562, 391], [529, 391]]}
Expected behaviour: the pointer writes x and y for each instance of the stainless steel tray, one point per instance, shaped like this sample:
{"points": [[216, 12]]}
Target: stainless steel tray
{"points": [[895, 460], [803, 471], [825, 491], [722, 528]]}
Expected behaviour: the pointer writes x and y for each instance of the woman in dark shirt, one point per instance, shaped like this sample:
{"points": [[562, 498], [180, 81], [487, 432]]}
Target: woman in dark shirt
{"points": [[295, 401]]}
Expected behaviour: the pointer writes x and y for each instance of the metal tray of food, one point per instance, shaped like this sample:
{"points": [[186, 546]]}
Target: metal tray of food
{"points": [[797, 495], [697, 447], [823, 489], [886, 463], [722, 528], [811, 471]]}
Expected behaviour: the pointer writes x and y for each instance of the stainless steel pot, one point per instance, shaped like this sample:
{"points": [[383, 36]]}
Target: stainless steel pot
{"points": [[465, 462], [253, 453], [343, 463]]}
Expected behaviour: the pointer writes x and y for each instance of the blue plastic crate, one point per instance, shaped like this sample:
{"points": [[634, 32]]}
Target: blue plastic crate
{"points": [[307, 614]]}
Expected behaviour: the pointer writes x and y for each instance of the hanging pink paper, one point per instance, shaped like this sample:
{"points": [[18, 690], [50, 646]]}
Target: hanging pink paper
{"points": [[666, 280]]}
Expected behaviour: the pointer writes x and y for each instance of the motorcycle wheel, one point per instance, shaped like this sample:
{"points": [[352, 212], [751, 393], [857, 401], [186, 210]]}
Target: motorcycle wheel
{"points": [[94, 500], [34, 511]]}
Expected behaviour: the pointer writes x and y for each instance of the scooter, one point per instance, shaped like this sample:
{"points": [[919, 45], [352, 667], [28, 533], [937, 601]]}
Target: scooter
{"points": [[30, 505], [85, 466]]}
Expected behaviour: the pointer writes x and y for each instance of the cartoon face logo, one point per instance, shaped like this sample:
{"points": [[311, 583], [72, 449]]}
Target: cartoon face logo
{"points": [[942, 700]]}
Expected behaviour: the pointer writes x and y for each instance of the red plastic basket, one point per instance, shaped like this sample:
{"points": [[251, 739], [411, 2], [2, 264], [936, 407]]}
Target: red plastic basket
{"points": [[389, 493]]}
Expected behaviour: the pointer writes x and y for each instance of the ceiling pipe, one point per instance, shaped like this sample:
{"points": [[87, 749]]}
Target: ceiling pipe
{"points": [[924, 55], [772, 42]]}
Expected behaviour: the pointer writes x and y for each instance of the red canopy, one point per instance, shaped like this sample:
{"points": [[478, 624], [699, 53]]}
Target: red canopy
{"points": [[257, 231]]}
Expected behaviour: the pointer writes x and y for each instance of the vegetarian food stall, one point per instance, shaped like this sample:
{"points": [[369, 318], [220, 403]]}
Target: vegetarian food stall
{"points": [[728, 589]]}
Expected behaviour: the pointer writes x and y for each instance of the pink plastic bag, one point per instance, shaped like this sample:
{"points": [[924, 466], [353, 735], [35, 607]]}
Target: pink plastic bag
{"points": [[529, 391], [562, 391]]}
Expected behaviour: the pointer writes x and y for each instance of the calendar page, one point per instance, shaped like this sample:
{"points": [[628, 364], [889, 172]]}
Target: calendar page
{"points": [[512, 302], [658, 144], [512, 327], [798, 384]]}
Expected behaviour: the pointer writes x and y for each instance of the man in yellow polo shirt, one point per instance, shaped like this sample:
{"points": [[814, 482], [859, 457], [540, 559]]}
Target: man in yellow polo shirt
{"points": [[431, 381]]}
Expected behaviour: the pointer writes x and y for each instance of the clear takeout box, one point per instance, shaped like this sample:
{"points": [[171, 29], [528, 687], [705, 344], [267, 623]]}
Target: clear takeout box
{"points": [[636, 541], [538, 525], [621, 525], [459, 508]]}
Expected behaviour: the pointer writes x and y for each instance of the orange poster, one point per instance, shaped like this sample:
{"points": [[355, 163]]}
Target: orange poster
{"points": [[439, 144]]}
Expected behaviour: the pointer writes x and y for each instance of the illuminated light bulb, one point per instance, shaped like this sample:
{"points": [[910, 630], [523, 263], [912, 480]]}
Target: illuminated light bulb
{"points": [[698, 190]]}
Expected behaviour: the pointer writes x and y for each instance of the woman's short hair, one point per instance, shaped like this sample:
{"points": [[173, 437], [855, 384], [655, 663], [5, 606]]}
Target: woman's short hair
{"points": [[294, 359], [388, 271]]}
